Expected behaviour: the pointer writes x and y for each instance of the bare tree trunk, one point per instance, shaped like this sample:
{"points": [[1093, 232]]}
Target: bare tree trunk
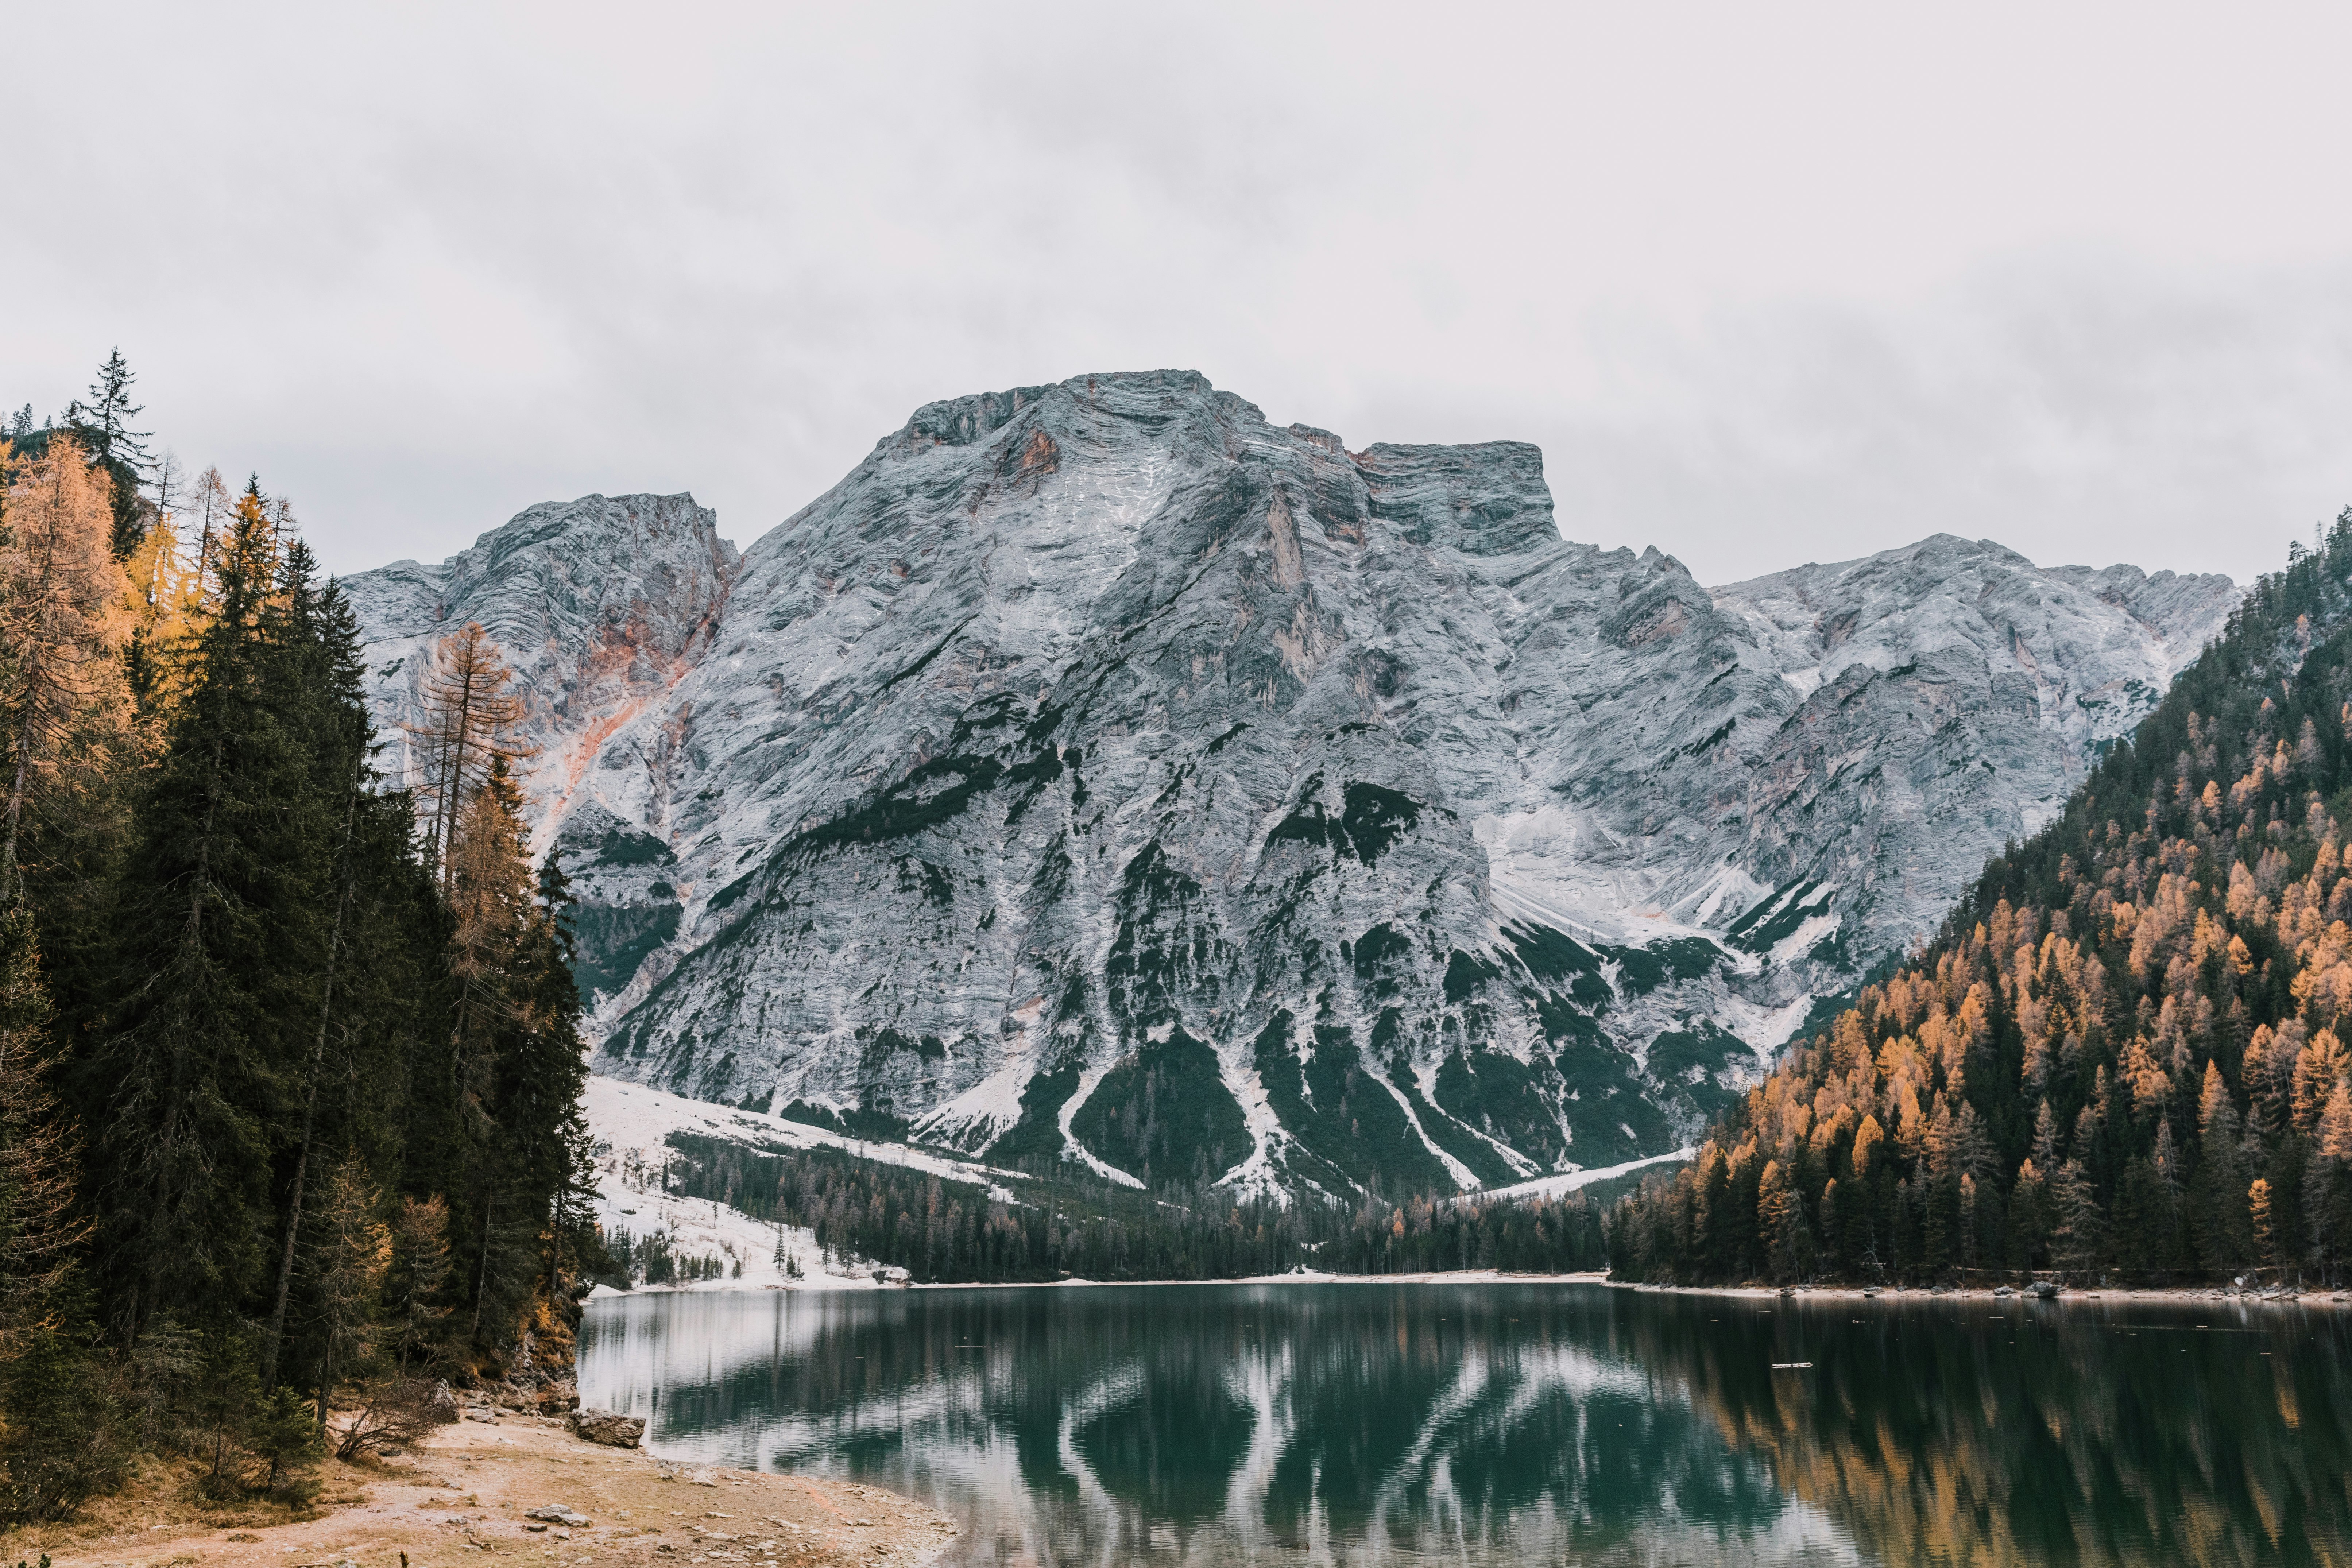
{"points": [[482, 1271], [309, 1116], [209, 482], [445, 809]]}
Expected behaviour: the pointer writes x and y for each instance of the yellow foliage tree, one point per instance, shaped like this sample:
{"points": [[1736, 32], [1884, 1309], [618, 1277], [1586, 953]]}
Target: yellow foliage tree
{"points": [[466, 729], [66, 610]]}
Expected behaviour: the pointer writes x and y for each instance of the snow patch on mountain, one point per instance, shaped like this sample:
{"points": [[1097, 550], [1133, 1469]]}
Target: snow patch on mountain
{"points": [[1098, 770]]}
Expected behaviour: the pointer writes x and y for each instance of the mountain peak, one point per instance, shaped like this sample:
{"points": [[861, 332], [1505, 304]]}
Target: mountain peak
{"points": [[1099, 771]]}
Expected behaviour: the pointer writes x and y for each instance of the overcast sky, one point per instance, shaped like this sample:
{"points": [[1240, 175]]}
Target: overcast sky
{"points": [[1768, 284]]}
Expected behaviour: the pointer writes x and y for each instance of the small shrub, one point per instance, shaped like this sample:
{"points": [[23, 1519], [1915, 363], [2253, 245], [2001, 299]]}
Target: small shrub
{"points": [[283, 1437], [64, 1442], [395, 1413]]}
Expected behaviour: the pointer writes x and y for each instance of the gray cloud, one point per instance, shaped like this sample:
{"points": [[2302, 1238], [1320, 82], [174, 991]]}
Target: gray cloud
{"points": [[1764, 288]]}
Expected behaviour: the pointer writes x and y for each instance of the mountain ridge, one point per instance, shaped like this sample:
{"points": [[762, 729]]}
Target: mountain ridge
{"points": [[1099, 745]]}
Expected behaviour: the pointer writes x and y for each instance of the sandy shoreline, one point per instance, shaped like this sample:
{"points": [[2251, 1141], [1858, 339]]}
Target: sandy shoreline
{"points": [[466, 1490]]}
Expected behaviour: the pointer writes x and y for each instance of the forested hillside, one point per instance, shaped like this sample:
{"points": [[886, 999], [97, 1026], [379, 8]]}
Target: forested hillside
{"points": [[866, 1213], [288, 1082], [2123, 1055]]}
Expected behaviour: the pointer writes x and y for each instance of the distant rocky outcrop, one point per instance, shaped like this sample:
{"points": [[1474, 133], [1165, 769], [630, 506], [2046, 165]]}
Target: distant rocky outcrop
{"points": [[1099, 771]]}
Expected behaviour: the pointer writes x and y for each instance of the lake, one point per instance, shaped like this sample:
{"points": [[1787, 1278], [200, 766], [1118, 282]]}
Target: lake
{"points": [[1538, 1423]]}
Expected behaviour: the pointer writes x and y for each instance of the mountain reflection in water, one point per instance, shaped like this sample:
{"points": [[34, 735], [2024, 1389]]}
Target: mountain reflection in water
{"points": [[1478, 1423]]}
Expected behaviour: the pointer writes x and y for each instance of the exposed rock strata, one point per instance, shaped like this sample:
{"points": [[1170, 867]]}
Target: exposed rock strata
{"points": [[1100, 772]]}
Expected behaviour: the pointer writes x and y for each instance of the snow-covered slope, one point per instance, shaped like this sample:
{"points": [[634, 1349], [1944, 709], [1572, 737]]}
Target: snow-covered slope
{"points": [[1098, 770], [634, 1124]]}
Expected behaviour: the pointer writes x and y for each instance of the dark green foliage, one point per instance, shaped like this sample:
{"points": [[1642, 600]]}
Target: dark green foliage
{"points": [[615, 940], [1465, 974], [1695, 1061], [864, 1214], [1644, 969], [214, 1063], [857, 1121], [1165, 1114], [65, 1440], [1609, 1113], [102, 427], [1037, 1136], [1423, 1236], [1776, 919], [1375, 818], [1502, 1096], [258, 982], [1349, 1130], [868, 1214], [932, 793], [1551, 956], [1381, 957], [876, 1047], [220, 938], [283, 1434], [622, 846], [1371, 818], [1480, 1157], [1164, 950]]}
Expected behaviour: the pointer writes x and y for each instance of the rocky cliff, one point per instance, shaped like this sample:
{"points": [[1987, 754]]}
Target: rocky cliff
{"points": [[1100, 773]]}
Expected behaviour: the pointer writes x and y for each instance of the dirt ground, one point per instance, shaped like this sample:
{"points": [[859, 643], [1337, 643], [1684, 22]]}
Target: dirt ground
{"points": [[465, 1492]]}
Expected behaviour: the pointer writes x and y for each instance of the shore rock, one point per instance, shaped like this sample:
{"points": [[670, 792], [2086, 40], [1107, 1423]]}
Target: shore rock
{"points": [[614, 1431]]}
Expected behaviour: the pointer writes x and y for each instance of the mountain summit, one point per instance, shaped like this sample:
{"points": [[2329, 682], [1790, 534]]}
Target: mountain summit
{"points": [[1099, 771]]}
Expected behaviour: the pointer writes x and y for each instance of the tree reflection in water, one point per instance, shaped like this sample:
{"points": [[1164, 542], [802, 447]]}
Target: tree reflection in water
{"points": [[1369, 1423]]}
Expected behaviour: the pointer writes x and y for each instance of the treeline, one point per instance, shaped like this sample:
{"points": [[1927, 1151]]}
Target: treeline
{"points": [[1432, 1235], [864, 1214], [651, 1260], [289, 1065], [2124, 1056]]}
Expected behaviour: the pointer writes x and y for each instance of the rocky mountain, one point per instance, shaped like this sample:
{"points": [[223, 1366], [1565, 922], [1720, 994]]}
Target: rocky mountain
{"points": [[1099, 771]]}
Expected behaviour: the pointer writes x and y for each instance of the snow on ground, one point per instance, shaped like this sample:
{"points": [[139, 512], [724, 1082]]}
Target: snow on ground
{"points": [[1764, 1030], [1560, 1186], [618, 1111], [630, 1125], [1087, 1081], [628, 1197]]}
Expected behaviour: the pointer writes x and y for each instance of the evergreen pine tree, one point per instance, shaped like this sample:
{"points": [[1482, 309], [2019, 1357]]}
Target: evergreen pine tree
{"points": [[103, 428], [219, 940]]}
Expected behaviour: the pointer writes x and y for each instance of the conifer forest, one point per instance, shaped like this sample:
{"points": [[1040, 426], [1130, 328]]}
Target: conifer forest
{"points": [[2124, 1056], [289, 1062], [291, 1056]]}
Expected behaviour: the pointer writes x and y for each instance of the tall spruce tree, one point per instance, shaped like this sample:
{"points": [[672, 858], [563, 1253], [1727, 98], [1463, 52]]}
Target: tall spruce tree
{"points": [[517, 1051], [220, 951], [103, 428], [326, 1055]]}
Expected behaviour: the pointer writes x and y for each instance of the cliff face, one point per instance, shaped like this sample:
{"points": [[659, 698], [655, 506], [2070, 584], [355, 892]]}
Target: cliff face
{"points": [[1098, 771]]}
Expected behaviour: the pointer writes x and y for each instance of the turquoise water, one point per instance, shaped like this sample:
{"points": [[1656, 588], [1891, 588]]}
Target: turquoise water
{"points": [[1320, 1423]]}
